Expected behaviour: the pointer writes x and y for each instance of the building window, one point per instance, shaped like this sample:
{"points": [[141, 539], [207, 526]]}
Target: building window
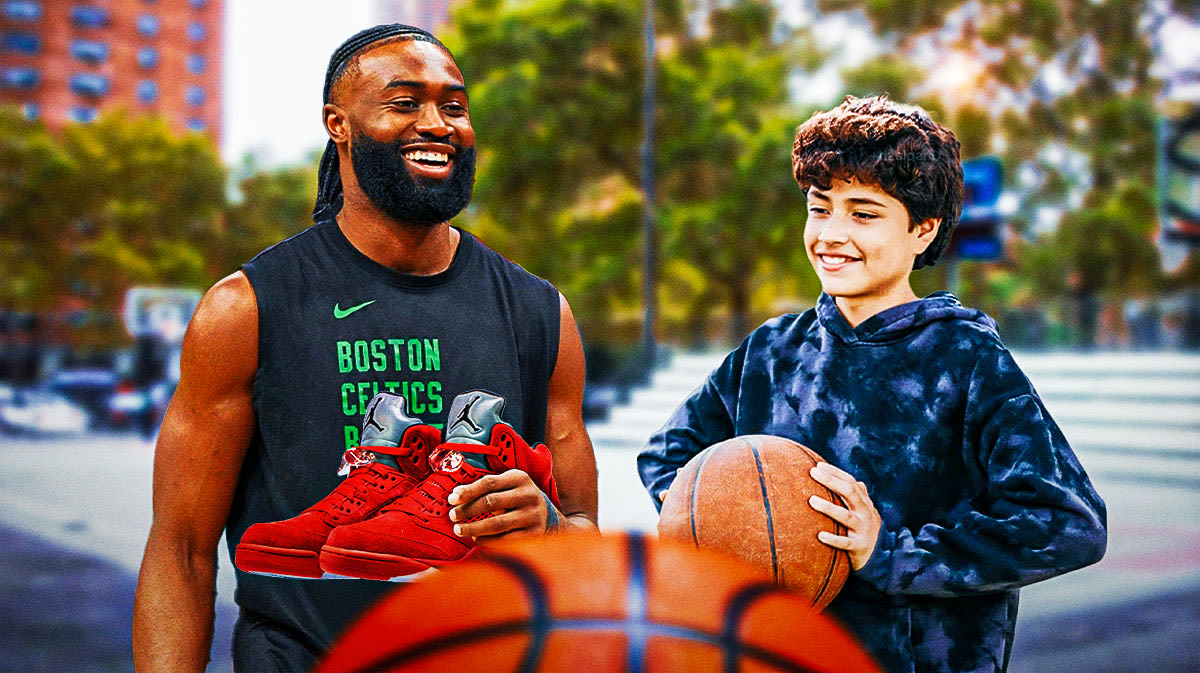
{"points": [[89, 17], [88, 84], [195, 64], [23, 10], [21, 42], [89, 52], [20, 78], [147, 91], [31, 111], [82, 114], [195, 31], [147, 24], [147, 57], [195, 124], [194, 95]]}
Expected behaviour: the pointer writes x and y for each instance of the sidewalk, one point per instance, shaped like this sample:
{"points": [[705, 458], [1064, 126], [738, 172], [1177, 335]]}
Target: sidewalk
{"points": [[62, 611]]}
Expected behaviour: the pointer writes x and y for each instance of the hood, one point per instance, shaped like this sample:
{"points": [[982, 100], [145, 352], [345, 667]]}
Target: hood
{"points": [[900, 321]]}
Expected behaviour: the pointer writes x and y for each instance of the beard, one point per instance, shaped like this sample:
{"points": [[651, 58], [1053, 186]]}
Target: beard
{"points": [[387, 182]]}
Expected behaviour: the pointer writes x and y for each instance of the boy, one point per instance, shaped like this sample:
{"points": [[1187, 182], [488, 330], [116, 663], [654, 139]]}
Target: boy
{"points": [[959, 487]]}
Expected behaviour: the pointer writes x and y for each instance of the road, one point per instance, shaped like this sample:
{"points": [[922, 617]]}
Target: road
{"points": [[74, 516]]}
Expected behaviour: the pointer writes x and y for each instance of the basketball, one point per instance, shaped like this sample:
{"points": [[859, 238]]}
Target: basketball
{"points": [[580, 602], [748, 497]]}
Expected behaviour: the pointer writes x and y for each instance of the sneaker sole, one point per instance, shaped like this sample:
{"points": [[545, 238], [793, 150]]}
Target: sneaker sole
{"points": [[278, 561], [376, 566]]}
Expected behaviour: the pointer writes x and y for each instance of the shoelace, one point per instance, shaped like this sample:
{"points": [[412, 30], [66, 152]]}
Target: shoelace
{"points": [[422, 504], [352, 493]]}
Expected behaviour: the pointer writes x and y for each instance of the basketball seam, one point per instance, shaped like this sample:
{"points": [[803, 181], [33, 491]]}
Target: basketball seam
{"points": [[692, 496], [839, 529], [541, 623], [762, 482]]}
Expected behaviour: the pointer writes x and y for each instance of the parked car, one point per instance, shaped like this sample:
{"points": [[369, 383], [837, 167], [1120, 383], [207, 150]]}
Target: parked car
{"points": [[38, 411], [91, 388]]}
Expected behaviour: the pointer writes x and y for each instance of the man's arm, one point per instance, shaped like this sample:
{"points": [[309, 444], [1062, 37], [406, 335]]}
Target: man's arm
{"points": [[196, 464], [521, 506]]}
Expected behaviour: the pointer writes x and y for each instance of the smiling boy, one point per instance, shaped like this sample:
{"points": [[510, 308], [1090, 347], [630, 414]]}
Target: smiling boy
{"points": [[959, 487]]}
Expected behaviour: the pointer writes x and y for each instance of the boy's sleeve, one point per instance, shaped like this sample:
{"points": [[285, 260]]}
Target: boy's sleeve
{"points": [[1040, 515], [703, 419]]}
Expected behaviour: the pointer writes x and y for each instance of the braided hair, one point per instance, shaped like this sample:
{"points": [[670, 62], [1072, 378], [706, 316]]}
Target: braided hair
{"points": [[329, 176]]}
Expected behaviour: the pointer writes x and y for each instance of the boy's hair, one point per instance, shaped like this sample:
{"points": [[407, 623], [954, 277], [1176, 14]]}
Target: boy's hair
{"points": [[896, 147]]}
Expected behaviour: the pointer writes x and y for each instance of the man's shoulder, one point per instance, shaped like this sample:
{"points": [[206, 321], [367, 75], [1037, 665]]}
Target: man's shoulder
{"points": [[502, 264], [287, 246]]}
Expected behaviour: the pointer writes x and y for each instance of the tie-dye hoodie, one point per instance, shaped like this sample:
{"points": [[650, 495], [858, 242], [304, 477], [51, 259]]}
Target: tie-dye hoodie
{"points": [[978, 489]]}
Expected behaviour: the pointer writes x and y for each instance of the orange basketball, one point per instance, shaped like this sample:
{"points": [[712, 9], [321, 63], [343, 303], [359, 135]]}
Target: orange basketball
{"points": [[748, 497], [570, 603]]}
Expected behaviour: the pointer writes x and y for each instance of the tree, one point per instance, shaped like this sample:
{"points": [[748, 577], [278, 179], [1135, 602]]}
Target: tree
{"points": [[556, 97], [732, 215], [274, 204], [1064, 90], [103, 206]]}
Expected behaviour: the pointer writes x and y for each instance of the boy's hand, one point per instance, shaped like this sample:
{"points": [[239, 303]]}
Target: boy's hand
{"points": [[861, 519]]}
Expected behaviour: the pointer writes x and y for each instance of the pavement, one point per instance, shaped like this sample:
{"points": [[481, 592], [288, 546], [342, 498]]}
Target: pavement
{"points": [[74, 514]]}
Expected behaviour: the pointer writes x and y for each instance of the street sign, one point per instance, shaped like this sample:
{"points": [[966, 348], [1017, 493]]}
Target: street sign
{"points": [[977, 235]]}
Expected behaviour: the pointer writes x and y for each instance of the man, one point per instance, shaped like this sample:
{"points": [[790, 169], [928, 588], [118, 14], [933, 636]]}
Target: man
{"points": [[281, 358]]}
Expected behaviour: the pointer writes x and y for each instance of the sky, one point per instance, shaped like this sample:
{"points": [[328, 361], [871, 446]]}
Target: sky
{"points": [[276, 52]]}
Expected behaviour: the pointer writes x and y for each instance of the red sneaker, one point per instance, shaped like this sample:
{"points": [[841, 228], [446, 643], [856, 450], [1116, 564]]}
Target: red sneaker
{"points": [[414, 532], [393, 458]]}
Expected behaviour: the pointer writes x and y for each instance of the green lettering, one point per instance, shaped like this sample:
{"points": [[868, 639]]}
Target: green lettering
{"points": [[391, 386], [414, 355], [433, 356], [348, 407], [417, 406], [365, 393], [434, 391], [397, 351], [345, 362], [362, 359], [377, 352], [351, 436]]}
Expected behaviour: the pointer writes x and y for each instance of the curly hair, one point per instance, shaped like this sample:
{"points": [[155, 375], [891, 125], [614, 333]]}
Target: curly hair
{"points": [[897, 147]]}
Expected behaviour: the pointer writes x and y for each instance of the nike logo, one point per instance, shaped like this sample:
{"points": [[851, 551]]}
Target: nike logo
{"points": [[340, 313]]}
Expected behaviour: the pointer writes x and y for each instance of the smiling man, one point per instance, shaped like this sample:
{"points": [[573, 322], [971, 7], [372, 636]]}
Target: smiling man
{"points": [[382, 299], [958, 487]]}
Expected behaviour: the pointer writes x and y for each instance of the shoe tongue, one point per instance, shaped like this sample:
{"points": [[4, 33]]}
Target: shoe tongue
{"points": [[384, 424], [472, 416]]}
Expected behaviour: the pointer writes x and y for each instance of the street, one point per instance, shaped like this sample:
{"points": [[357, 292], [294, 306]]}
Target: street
{"points": [[74, 516]]}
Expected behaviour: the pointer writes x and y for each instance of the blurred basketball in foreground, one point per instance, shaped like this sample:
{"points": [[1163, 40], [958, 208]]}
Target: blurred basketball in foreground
{"points": [[748, 497], [571, 603]]}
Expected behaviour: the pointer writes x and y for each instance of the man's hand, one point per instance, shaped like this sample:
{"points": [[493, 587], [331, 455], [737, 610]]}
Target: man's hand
{"points": [[519, 506], [861, 519]]}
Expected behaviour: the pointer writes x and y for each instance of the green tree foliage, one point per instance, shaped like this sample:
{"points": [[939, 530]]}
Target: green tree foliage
{"points": [[274, 204], [100, 207], [1057, 78], [556, 98]]}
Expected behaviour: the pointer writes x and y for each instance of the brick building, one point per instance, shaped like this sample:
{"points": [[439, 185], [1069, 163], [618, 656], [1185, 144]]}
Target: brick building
{"points": [[67, 60]]}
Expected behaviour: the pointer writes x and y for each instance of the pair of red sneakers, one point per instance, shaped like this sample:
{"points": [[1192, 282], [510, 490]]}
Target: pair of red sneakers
{"points": [[389, 518]]}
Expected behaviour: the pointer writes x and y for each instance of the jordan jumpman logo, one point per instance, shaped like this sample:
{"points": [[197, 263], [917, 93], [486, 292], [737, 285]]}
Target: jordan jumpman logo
{"points": [[371, 416], [464, 416]]}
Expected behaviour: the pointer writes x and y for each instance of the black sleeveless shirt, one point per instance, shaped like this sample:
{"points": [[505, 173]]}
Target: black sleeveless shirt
{"points": [[334, 328]]}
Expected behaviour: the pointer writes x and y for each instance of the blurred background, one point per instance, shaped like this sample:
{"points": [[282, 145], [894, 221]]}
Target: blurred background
{"points": [[149, 147]]}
